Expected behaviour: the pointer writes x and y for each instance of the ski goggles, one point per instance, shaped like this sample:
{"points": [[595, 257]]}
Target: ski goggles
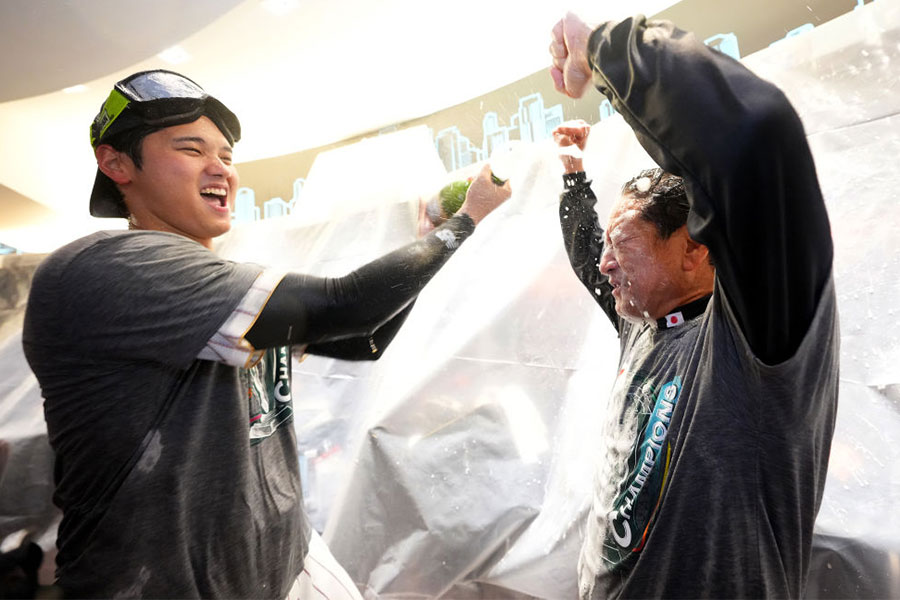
{"points": [[159, 98]]}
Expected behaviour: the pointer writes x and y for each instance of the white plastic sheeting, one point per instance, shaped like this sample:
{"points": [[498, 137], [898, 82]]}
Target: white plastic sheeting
{"points": [[26, 460], [460, 464], [471, 473]]}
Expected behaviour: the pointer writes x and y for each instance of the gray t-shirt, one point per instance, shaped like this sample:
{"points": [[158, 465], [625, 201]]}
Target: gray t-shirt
{"points": [[177, 477], [718, 431], [711, 459]]}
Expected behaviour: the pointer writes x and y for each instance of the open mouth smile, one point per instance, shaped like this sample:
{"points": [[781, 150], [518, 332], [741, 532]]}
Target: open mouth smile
{"points": [[216, 195]]}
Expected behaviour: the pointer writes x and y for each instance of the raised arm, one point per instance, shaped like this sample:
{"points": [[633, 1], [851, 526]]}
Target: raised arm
{"points": [[741, 148], [581, 230]]}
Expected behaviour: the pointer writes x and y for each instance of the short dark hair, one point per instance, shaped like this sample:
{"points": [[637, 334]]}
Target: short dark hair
{"points": [[131, 143], [663, 199]]}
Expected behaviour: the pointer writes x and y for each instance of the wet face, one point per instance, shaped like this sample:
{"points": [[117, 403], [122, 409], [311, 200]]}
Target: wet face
{"points": [[644, 269], [187, 182]]}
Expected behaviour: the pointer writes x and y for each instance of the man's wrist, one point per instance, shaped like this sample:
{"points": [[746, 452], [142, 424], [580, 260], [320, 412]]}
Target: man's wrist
{"points": [[574, 180]]}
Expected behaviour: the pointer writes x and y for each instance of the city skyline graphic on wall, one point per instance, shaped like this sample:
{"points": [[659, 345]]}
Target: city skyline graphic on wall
{"points": [[533, 121]]}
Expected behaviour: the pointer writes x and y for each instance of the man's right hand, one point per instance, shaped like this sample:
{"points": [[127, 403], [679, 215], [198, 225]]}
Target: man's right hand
{"points": [[570, 71], [484, 195], [572, 133]]}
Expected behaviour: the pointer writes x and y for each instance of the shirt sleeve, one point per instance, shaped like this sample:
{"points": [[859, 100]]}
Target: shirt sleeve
{"points": [[748, 170], [229, 344], [149, 296], [583, 239]]}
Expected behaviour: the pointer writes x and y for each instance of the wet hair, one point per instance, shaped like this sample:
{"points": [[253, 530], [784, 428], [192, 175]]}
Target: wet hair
{"points": [[663, 199]]}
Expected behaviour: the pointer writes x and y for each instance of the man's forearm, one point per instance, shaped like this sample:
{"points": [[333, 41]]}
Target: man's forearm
{"points": [[369, 347], [312, 310], [583, 239]]}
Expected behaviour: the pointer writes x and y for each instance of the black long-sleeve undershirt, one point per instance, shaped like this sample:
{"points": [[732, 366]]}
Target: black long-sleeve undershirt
{"points": [[345, 316], [749, 173], [363, 347], [583, 239]]}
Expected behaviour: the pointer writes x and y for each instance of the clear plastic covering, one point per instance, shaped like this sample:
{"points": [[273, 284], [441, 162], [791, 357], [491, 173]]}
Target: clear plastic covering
{"points": [[26, 460], [461, 463]]}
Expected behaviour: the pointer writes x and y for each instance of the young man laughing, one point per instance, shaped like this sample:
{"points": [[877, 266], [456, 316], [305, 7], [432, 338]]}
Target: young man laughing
{"points": [[163, 367]]}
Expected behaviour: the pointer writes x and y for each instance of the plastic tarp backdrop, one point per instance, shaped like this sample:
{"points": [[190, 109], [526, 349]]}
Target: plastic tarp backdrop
{"points": [[461, 463]]}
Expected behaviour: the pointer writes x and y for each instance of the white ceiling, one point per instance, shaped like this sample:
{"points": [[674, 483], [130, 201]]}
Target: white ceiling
{"points": [[48, 45], [298, 73]]}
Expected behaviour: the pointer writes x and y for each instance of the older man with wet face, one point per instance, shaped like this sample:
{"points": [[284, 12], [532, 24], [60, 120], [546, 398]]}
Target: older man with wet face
{"points": [[715, 270], [165, 369], [649, 258]]}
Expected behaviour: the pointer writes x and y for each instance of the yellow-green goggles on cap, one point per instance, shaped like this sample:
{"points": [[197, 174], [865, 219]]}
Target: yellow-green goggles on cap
{"points": [[159, 98]]}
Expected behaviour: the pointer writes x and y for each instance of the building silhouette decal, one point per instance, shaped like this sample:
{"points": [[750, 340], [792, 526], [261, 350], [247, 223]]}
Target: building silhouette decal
{"points": [[533, 121]]}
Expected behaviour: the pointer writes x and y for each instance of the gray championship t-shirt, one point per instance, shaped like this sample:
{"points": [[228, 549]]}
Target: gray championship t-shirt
{"points": [[177, 476], [718, 430], [713, 462]]}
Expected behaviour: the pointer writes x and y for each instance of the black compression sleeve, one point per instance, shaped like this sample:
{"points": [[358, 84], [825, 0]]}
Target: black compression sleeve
{"points": [[310, 310], [365, 347]]}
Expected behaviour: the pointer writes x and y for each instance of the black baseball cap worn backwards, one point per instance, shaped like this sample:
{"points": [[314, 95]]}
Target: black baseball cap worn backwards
{"points": [[157, 98]]}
